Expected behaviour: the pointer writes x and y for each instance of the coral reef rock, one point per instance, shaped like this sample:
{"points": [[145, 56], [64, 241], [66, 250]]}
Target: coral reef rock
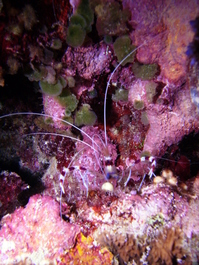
{"points": [[35, 234]]}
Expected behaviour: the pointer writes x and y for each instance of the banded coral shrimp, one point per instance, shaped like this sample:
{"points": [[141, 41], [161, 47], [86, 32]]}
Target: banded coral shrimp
{"points": [[97, 148], [103, 168]]}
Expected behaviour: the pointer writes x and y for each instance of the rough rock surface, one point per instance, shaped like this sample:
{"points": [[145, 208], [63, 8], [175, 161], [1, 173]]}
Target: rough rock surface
{"points": [[166, 43], [35, 233]]}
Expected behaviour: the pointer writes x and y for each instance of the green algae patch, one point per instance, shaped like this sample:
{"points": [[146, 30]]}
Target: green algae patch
{"points": [[120, 94], [138, 104], [111, 19], [52, 89], [37, 74], [150, 88], [85, 116], [78, 20], [49, 121], [122, 47], [56, 44], [86, 12], [70, 81], [80, 24], [67, 119], [144, 118], [145, 71], [69, 101], [75, 36]]}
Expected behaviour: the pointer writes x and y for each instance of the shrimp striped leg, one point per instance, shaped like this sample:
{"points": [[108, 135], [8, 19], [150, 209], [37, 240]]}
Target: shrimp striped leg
{"points": [[151, 160]]}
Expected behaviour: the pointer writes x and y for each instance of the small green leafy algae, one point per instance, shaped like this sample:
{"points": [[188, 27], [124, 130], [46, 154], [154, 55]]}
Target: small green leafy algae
{"points": [[78, 20], [68, 100], [75, 35], [67, 118], [37, 74], [56, 44], [62, 81], [80, 24], [122, 47], [150, 88], [85, 116], [144, 71], [86, 12], [52, 89], [70, 81], [120, 94], [49, 121], [138, 104]]}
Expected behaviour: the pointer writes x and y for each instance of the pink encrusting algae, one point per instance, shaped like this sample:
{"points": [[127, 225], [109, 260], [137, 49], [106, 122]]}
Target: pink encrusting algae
{"points": [[85, 126], [35, 233]]}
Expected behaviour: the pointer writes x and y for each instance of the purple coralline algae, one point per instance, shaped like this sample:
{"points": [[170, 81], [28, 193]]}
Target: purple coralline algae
{"points": [[53, 108], [166, 43], [35, 234], [97, 60]]}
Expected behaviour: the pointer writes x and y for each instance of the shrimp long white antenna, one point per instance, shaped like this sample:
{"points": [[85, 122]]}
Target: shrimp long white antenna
{"points": [[107, 86], [49, 116], [62, 135], [96, 153]]}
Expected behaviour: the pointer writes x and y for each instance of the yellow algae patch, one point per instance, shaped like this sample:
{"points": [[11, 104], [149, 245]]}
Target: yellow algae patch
{"points": [[86, 251]]}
